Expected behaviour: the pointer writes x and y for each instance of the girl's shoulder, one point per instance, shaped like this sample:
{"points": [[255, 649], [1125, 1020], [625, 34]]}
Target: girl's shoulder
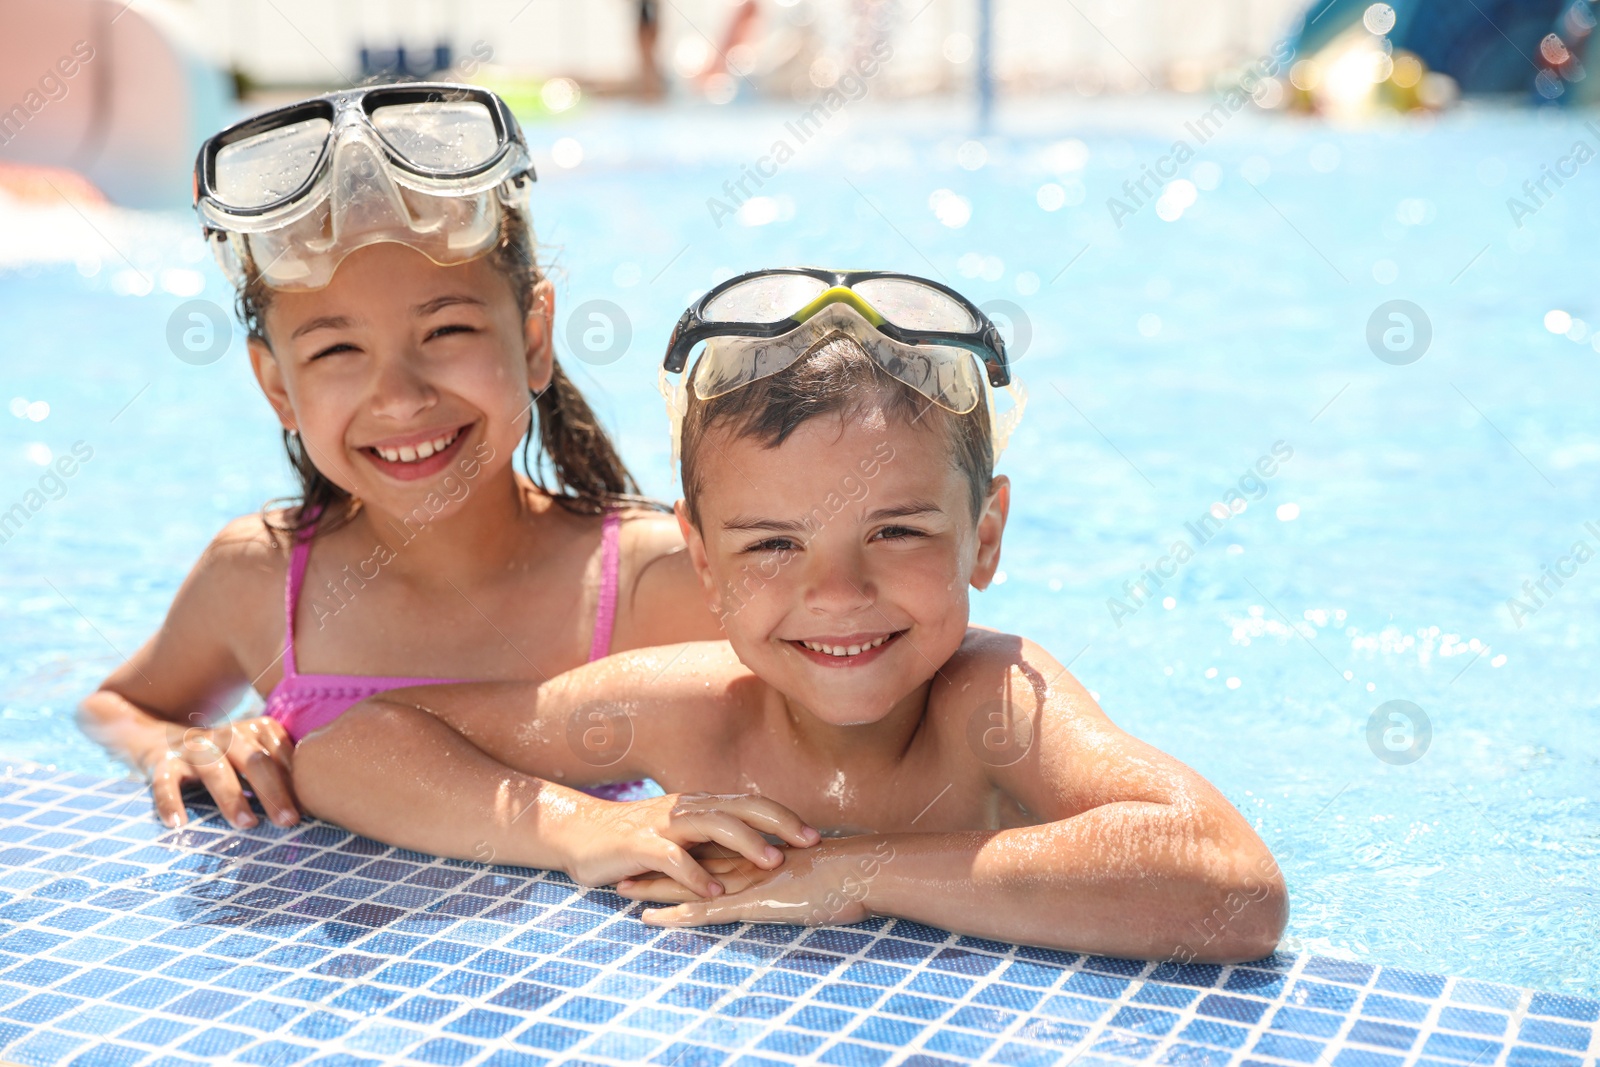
{"points": [[661, 597], [646, 538], [255, 539], [233, 597], [648, 534], [247, 557]]}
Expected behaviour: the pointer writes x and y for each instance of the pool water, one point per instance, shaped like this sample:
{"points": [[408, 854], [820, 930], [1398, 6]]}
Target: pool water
{"points": [[1166, 358]]}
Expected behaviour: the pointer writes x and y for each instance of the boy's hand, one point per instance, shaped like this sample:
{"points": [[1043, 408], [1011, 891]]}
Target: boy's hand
{"points": [[258, 750], [823, 885], [656, 835]]}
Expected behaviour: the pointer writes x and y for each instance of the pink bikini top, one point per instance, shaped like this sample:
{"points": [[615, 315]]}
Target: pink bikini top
{"points": [[303, 702]]}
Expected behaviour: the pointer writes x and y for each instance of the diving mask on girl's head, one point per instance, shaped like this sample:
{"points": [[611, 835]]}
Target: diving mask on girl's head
{"points": [[286, 195], [922, 333]]}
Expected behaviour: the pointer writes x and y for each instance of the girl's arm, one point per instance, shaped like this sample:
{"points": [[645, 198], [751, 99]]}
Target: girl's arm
{"points": [[1140, 857], [154, 711], [451, 770]]}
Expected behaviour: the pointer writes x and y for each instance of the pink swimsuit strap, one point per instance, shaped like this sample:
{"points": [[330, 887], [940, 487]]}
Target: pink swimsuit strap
{"points": [[605, 611]]}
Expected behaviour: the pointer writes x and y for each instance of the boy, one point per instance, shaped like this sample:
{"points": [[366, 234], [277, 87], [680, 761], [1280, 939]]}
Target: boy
{"points": [[836, 511]]}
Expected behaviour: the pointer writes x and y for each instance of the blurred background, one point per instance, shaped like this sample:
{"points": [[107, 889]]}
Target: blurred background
{"points": [[1352, 243], [165, 70]]}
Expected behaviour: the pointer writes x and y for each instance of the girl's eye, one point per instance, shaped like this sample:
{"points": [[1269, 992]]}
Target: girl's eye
{"points": [[453, 328], [332, 349]]}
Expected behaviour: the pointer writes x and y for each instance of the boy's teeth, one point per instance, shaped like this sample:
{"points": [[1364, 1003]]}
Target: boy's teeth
{"points": [[410, 454], [845, 650]]}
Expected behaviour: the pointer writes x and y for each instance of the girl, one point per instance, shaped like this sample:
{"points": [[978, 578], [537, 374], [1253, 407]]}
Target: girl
{"points": [[401, 331]]}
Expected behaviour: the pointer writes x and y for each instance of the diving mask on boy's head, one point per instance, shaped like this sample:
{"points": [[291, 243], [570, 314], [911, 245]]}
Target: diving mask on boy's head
{"points": [[922, 333], [286, 195]]}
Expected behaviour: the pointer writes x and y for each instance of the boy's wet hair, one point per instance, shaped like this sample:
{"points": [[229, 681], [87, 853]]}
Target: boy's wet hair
{"points": [[574, 461], [836, 376]]}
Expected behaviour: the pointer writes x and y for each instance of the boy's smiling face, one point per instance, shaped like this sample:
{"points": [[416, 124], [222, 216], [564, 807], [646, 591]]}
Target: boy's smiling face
{"points": [[856, 533]]}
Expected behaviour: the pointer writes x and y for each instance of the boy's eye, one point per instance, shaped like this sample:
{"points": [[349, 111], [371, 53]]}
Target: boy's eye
{"points": [[452, 328], [333, 349], [773, 544], [898, 533]]}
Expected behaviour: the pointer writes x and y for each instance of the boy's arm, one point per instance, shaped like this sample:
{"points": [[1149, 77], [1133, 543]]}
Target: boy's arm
{"points": [[459, 770], [1141, 855], [1137, 854]]}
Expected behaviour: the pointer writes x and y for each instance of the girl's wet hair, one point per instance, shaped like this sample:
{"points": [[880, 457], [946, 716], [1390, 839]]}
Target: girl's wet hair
{"points": [[836, 376], [574, 460]]}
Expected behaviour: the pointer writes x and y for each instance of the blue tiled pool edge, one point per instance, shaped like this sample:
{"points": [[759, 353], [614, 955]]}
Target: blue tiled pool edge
{"points": [[123, 943]]}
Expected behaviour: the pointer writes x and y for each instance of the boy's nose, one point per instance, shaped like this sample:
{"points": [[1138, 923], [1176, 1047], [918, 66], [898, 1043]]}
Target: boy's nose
{"points": [[836, 584]]}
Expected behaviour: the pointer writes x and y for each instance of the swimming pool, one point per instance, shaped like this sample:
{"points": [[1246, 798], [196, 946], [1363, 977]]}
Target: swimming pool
{"points": [[1166, 359]]}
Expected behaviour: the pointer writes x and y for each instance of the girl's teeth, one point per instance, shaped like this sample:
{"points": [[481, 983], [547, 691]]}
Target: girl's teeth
{"points": [[410, 454]]}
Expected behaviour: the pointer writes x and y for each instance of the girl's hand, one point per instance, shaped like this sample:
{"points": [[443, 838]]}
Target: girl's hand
{"points": [[256, 749], [655, 835], [823, 885]]}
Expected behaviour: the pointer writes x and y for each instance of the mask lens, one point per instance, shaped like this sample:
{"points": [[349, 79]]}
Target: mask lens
{"points": [[770, 298], [263, 169], [913, 306], [945, 375], [440, 135]]}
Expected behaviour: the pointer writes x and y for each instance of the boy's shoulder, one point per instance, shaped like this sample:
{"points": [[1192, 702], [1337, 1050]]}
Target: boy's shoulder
{"points": [[988, 657], [997, 682], [1033, 731]]}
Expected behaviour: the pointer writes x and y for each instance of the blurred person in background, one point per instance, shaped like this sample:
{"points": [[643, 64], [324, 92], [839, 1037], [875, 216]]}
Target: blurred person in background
{"points": [[651, 85]]}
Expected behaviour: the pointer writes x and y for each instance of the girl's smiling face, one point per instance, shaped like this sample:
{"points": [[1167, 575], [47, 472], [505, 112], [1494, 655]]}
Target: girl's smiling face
{"points": [[400, 367], [839, 561]]}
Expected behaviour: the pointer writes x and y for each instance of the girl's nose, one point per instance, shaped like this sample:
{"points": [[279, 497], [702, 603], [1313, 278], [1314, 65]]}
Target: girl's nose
{"points": [[399, 392]]}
